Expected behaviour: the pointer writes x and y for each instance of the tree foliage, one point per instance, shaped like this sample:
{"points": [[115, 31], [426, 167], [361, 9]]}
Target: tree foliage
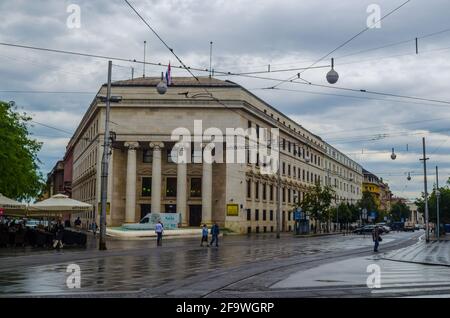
{"points": [[317, 202], [399, 211], [444, 205], [19, 172]]}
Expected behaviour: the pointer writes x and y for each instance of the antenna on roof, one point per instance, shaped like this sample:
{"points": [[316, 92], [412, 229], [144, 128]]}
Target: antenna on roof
{"points": [[210, 58], [145, 47]]}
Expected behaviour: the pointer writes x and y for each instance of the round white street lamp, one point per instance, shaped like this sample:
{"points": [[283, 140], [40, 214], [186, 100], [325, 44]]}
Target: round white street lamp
{"points": [[332, 75], [393, 155], [161, 88]]}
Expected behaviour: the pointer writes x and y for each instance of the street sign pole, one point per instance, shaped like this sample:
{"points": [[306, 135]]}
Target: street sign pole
{"points": [[105, 166], [424, 159]]}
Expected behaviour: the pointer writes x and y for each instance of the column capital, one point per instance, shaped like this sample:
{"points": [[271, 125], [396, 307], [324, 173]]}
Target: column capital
{"points": [[131, 145], [156, 145]]}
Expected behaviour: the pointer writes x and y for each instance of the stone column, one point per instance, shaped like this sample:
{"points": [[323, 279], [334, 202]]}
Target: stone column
{"points": [[182, 192], [207, 193], [130, 199], [156, 176]]}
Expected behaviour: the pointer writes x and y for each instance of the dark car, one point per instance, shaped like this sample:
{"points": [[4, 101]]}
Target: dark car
{"points": [[367, 229]]}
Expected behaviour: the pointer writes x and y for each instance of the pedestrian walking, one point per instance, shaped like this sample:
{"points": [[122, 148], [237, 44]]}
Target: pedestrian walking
{"points": [[376, 238], [215, 234], [59, 233], [204, 235], [94, 227], [77, 223], [159, 229]]}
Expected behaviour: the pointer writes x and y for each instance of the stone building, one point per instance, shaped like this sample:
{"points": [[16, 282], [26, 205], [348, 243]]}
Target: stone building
{"points": [[143, 177]]}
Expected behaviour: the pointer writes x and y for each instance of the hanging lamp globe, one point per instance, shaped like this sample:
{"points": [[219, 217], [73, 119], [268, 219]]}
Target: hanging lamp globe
{"points": [[332, 75], [161, 88]]}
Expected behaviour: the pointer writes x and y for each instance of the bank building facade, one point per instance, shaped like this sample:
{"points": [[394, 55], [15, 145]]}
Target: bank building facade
{"points": [[143, 177]]}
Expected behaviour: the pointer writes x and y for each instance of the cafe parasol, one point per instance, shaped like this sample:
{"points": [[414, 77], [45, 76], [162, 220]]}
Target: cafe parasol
{"points": [[57, 205], [11, 207]]}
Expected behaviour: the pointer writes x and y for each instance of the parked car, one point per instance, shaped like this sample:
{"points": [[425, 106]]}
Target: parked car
{"points": [[384, 227], [364, 230], [409, 228]]}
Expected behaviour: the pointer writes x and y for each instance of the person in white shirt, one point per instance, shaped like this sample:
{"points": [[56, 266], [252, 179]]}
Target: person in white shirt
{"points": [[159, 229]]}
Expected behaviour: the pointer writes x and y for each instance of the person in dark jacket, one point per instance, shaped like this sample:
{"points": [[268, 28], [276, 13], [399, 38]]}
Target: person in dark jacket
{"points": [[215, 234], [59, 232], [376, 238]]}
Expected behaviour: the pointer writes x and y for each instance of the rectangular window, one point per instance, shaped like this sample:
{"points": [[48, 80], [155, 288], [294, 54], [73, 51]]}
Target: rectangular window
{"points": [[284, 144], [289, 195], [196, 187], [249, 230], [264, 215], [264, 194], [284, 194], [284, 168], [289, 216], [271, 193], [249, 189], [289, 170], [147, 156], [249, 215], [271, 215], [307, 176], [171, 187], [169, 155], [289, 146], [256, 215], [146, 187], [303, 175], [257, 190]]}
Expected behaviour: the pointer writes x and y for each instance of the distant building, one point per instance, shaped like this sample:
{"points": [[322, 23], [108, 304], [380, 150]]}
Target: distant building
{"points": [[416, 216], [379, 189], [144, 179]]}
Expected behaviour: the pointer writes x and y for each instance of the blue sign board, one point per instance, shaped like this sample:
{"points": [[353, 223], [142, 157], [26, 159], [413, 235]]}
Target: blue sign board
{"points": [[298, 215]]}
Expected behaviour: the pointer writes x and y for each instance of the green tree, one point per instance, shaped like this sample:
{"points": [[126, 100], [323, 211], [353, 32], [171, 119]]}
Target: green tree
{"points": [[317, 203], [444, 205], [399, 211], [368, 202], [19, 172]]}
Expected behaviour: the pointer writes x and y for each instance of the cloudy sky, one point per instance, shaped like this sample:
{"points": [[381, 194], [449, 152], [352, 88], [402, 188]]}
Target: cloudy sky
{"points": [[249, 35]]}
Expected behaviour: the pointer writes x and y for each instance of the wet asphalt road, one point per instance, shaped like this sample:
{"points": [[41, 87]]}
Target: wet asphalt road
{"points": [[180, 268]]}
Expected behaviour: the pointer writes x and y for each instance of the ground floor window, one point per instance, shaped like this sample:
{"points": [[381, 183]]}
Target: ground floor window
{"points": [[171, 208], [171, 187]]}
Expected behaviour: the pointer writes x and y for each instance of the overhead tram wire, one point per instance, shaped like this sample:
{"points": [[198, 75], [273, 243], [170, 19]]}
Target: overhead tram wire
{"points": [[363, 51], [206, 70], [345, 43]]}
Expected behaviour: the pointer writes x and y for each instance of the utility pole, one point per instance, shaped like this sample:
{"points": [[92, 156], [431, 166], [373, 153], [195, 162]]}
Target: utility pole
{"points": [[145, 48], [105, 163], [424, 159], [210, 58], [438, 196]]}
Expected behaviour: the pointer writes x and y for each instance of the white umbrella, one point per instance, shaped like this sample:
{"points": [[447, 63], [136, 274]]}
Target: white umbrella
{"points": [[60, 203], [10, 205]]}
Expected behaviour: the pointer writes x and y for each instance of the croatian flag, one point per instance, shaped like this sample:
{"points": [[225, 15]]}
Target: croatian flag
{"points": [[168, 76]]}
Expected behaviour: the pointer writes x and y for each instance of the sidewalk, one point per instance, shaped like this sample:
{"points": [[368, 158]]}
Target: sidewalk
{"points": [[432, 253]]}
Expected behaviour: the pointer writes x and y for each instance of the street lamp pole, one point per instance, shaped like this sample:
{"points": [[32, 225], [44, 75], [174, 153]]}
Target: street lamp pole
{"points": [[105, 166], [279, 190], [424, 159], [438, 196]]}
